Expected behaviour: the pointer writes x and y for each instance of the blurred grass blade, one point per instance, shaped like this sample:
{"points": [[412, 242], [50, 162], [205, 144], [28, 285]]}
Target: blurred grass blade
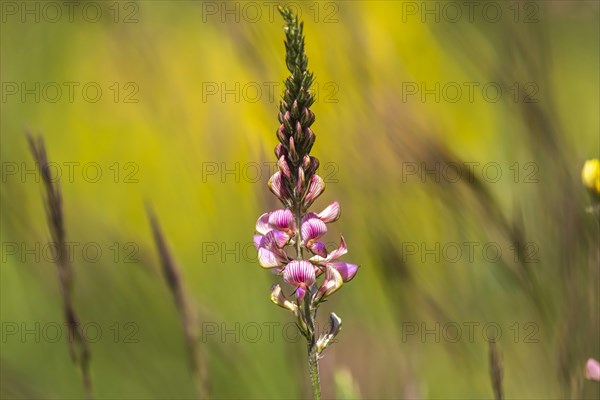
{"points": [[495, 370], [173, 278], [78, 346]]}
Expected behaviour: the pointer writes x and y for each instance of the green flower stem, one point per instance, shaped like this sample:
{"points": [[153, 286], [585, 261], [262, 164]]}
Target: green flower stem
{"points": [[313, 357]]}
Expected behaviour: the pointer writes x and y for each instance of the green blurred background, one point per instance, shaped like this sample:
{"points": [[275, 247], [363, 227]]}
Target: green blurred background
{"points": [[186, 116]]}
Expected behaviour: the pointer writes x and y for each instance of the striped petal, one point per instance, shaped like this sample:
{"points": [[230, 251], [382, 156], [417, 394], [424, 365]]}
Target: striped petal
{"points": [[316, 186], [257, 241], [331, 213], [277, 187], [318, 248], [274, 239], [262, 225], [283, 166], [333, 281], [282, 219], [268, 259], [340, 251], [313, 229], [299, 273]]}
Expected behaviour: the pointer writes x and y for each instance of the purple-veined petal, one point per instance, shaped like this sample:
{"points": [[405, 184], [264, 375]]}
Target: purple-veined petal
{"points": [[257, 241], [340, 251], [309, 215], [592, 370], [274, 239], [299, 273], [279, 150], [282, 219], [318, 248], [346, 270], [268, 259], [306, 161], [313, 229], [316, 186], [277, 187], [283, 166], [262, 224], [331, 213], [333, 281]]}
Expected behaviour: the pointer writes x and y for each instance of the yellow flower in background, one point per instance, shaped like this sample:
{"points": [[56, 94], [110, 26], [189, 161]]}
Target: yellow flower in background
{"points": [[590, 175]]}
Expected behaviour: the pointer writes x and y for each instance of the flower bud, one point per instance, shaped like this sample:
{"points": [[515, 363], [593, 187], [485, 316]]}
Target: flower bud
{"points": [[314, 165], [306, 161], [283, 166], [278, 188], [335, 325], [287, 121], [295, 109], [300, 185], [316, 186], [279, 150], [299, 132], [281, 134], [292, 150]]}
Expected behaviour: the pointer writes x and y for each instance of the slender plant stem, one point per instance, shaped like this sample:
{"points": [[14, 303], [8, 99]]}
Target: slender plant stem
{"points": [[313, 359], [313, 365]]}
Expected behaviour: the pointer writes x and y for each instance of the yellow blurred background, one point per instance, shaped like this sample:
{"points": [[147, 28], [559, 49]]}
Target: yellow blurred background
{"points": [[453, 138]]}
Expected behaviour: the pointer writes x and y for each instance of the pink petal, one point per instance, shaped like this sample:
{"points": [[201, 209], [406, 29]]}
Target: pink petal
{"points": [[299, 273], [257, 241], [318, 248], [268, 259], [279, 150], [331, 213], [300, 292], [346, 270], [316, 186], [277, 187], [262, 225], [333, 281], [309, 215], [312, 229], [340, 251], [274, 239], [592, 370], [282, 219]]}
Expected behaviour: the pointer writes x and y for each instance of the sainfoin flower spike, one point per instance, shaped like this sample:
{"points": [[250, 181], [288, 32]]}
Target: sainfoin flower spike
{"points": [[289, 240]]}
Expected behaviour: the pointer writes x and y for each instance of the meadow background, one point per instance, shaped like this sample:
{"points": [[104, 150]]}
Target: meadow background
{"points": [[185, 128]]}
